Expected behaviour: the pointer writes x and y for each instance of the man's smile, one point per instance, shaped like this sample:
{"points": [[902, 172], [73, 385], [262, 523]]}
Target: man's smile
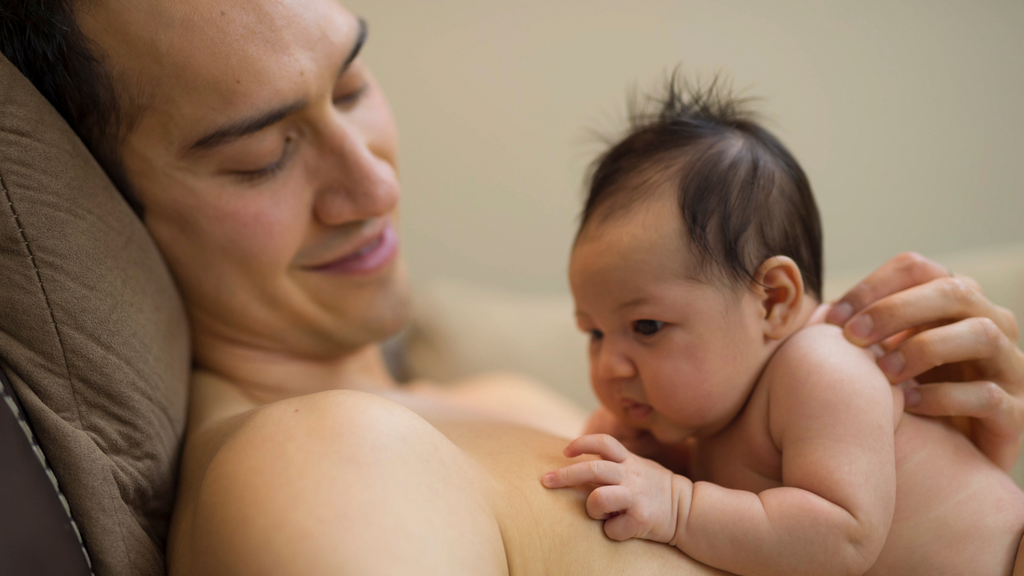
{"points": [[369, 253]]}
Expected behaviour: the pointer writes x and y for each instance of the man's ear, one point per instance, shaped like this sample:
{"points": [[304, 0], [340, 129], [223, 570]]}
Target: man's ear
{"points": [[780, 287]]}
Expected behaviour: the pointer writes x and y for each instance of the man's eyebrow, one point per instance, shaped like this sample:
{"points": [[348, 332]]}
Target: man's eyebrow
{"points": [[356, 47], [246, 126], [257, 122]]}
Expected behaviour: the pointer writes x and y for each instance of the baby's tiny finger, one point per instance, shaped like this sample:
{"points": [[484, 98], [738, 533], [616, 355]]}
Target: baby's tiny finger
{"points": [[603, 445], [621, 527], [589, 472], [607, 500]]}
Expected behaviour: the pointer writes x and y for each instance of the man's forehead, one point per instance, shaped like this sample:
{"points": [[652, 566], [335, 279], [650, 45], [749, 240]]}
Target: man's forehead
{"points": [[213, 53]]}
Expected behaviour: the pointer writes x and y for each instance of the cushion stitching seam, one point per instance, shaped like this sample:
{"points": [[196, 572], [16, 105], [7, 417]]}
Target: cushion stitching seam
{"points": [[46, 298]]}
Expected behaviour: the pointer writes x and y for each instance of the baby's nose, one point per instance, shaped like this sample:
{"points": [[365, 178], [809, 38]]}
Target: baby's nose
{"points": [[613, 365]]}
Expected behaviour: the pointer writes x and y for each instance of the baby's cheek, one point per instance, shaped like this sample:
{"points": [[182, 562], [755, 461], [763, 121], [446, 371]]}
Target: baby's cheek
{"points": [[601, 389], [606, 397], [687, 398]]}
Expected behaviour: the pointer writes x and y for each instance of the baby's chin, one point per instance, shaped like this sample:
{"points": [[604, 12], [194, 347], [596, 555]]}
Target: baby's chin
{"points": [[668, 433]]}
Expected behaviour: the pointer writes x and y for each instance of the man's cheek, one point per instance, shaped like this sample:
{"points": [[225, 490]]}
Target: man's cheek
{"points": [[266, 236]]}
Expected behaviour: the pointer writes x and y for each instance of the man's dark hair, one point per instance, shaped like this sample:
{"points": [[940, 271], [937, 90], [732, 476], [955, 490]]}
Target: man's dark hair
{"points": [[743, 198], [43, 40]]}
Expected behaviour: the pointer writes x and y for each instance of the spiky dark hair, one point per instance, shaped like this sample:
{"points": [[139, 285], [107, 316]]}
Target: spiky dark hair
{"points": [[742, 196], [43, 40]]}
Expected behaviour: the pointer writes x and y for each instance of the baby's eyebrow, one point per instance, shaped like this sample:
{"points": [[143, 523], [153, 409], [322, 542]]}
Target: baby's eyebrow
{"points": [[633, 303]]}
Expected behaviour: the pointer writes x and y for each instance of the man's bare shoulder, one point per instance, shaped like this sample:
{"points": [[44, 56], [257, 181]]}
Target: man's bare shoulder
{"points": [[511, 397], [352, 483], [335, 482]]}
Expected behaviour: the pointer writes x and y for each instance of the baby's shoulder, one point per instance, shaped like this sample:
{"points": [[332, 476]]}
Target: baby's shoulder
{"points": [[818, 343], [816, 355], [817, 373]]}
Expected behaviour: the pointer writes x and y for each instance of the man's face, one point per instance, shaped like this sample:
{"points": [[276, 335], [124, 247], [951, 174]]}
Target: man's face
{"points": [[265, 158]]}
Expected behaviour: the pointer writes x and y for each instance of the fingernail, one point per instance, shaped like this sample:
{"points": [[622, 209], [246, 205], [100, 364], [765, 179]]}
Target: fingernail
{"points": [[892, 364], [839, 314], [861, 327], [877, 350], [911, 396], [548, 479]]}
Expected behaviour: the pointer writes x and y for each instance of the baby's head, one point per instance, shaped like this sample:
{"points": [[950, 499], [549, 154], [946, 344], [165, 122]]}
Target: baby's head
{"points": [[698, 253]]}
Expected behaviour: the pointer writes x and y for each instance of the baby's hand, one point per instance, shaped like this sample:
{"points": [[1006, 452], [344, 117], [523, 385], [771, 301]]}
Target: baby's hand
{"points": [[638, 498], [639, 441], [604, 421]]}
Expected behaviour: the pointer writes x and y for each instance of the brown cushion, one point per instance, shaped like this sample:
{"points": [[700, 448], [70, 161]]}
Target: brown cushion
{"points": [[37, 535], [92, 334]]}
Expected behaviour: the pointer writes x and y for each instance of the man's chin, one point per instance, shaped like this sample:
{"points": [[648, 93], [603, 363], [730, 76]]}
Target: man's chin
{"points": [[376, 320]]}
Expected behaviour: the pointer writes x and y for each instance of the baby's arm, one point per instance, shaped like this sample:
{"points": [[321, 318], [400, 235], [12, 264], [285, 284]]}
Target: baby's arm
{"points": [[831, 415]]}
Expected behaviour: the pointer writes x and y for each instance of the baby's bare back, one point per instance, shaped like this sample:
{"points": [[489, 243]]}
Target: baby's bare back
{"points": [[956, 512]]}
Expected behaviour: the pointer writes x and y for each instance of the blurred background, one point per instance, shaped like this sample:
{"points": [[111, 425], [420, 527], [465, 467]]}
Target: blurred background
{"points": [[906, 115]]}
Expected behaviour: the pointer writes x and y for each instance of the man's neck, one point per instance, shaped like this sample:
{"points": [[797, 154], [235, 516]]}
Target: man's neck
{"points": [[267, 376]]}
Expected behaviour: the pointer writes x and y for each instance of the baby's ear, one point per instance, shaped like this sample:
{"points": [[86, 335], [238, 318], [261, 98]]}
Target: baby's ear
{"points": [[781, 290]]}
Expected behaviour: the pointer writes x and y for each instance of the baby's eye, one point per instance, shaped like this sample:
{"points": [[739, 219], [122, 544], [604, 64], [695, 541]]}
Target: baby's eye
{"points": [[647, 327], [596, 334]]}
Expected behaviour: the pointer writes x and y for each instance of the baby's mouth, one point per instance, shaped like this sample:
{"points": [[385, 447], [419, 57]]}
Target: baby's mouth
{"points": [[636, 411]]}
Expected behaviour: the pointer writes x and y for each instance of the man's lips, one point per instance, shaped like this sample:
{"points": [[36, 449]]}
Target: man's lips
{"points": [[375, 253]]}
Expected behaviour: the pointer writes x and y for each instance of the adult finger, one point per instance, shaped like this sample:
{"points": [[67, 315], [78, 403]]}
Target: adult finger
{"points": [[590, 472], [935, 302], [981, 399], [1000, 416], [603, 445], [975, 339], [899, 273], [608, 500], [621, 527], [893, 342]]}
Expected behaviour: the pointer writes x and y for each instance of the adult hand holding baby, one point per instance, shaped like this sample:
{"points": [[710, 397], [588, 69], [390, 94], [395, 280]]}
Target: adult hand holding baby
{"points": [[938, 328]]}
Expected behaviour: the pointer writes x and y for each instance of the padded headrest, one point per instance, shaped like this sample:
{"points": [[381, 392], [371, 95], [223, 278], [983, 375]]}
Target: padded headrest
{"points": [[92, 334]]}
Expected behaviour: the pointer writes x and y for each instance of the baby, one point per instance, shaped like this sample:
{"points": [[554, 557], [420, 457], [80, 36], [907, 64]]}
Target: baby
{"points": [[697, 272]]}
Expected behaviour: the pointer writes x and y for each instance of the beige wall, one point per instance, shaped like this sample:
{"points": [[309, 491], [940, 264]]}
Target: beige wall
{"points": [[906, 115]]}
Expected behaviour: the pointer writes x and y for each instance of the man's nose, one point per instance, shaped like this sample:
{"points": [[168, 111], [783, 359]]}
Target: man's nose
{"points": [[359, 182]]}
